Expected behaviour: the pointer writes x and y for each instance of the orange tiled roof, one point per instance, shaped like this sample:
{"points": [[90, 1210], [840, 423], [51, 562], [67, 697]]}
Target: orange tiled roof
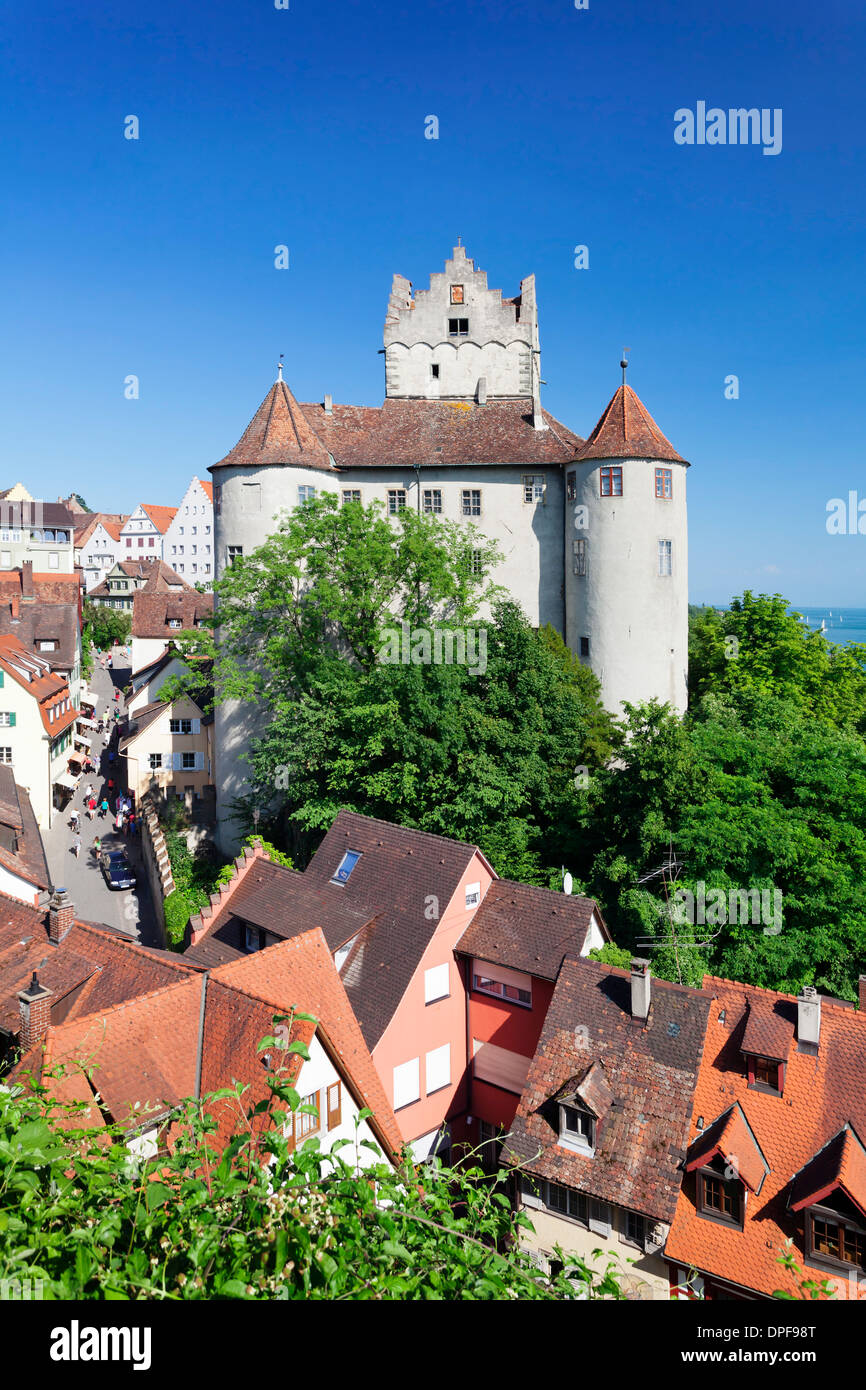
{"points": [[627, 430], [33, 675], [822, 1094], [730, 1137], [161, 517]]}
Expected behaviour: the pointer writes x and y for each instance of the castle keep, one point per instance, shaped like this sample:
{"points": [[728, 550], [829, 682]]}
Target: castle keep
{"points": [[593, 533]]}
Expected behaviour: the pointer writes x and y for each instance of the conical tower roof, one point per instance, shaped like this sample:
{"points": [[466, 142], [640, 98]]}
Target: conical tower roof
{"points": [[627, 430], [278, 433]]}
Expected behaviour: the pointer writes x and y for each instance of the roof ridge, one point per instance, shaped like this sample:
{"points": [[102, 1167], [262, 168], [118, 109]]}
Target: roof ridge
{"points": [[107, 933], [408, 829], [133, 1002]]}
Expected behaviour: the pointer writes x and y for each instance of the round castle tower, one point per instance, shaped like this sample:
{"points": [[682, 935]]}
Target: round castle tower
{"points": [[626, 545]]}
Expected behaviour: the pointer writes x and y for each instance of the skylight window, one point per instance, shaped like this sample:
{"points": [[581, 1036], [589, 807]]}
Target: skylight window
{"points": [[347, 864]]}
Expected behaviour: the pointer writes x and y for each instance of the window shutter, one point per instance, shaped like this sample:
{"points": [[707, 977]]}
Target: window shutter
{"points": [[196, 726], [599, 1218], [1, 680], [199, 761], [177, 762], [12, 720], [334, 1105]]}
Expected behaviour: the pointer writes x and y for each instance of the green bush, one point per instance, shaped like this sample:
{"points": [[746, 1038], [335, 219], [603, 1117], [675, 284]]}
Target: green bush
{"points": [[177, 914]]}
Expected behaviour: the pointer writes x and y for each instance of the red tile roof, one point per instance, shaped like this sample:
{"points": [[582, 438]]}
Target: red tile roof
{"points": [[162, 517], [822, 1094], [157, 613], [32, 673], [300, 974], [730, 1138], [627, 430], [841, 1164]]}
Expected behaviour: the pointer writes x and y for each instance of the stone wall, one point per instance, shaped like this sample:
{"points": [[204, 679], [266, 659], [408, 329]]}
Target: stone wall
{"points": [[157, 865]]}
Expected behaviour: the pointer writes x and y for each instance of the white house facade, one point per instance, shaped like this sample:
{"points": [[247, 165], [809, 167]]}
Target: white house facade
{"points": [[188, 544]]}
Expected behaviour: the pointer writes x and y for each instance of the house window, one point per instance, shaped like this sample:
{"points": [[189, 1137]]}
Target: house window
{"points": [[567, 1202], [611, 482], [351, 494], [437, 1065], [141, 542], [570, 487], [490, 1145], [457, 294], [7, 720], [5, 755], [720, 1199], [666, 558], [335, 1104], [515, 994], [396, 500], [407, 1083], [473, 895], [584, 646], [579, 561], [6, 559], [833, 1239], [150, 542], [305, 494], [346, 865], [129, 542], [155, 762], [188, 763], [234, 552], [253, 938], [180, 726], [434, 368], [308, 1124], [476, 562], [436, 984], [576, 1127], [664, 483], [432, 500], [458, 328], [174, 622], [471, 501], [634, 1229], [533, 487], [764, 1074], [217, 498]]}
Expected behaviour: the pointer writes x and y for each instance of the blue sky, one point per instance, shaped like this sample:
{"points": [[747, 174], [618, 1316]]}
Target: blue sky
{"points": [[305, 126]]}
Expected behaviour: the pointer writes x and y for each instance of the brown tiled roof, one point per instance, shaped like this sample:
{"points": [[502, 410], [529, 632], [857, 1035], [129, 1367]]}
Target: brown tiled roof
{"points": [[152, 612], [45, 687], [398, 870], [649, 1066], [42, 622], [162, 579], [529, 929], [118, 968], [627, 430], [110, 522], [822, 1094], [440, 434], [285, 903], [28, 858], [278, 433], [300, 974], [770, 1028]]}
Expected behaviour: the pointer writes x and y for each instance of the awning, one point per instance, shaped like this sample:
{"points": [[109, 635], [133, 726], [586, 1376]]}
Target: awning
{"points": [[64, 780], [79, 738], [87, 697], [88, 723]]}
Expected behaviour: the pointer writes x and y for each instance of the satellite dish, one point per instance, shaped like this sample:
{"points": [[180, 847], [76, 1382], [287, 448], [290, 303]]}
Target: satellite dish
{"points": [[567, 883]]}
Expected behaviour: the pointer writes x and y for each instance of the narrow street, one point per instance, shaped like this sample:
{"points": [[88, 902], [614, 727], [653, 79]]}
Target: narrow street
{"points": [[131, 911]]}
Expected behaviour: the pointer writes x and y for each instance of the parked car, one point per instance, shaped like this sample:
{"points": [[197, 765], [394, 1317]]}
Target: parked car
{"points": [[116, 868]]}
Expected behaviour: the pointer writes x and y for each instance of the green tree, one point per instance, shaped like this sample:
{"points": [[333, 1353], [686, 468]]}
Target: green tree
{"points": [[256, 1220], [106, 625]]}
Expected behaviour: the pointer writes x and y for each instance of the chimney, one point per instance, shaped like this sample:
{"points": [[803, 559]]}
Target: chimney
{"points": [[14, 604], [862, 991], [329, 405], [808, 1018], [34, 1008], [61, 915], [640, 987], [28, 593]]}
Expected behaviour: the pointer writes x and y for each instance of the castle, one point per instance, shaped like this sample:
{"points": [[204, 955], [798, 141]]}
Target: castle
{"points": [[593, 532]]}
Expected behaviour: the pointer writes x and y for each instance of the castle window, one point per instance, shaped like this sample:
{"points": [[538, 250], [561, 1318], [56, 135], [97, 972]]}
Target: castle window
{"points": [[664, 483], [611, 482], [234, 552], [433, 500], [471, 501], [584, 646], [533, 487], [458, 328], [351, 494], [570, 487], [456, 294], [396, 500], [305, 494], [435, 370], [580, 558], [477, 562], [666, 549]]}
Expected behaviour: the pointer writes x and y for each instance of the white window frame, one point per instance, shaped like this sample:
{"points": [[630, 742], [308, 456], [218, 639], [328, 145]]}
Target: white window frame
{"points": [[407, 1083], [437, 984]]}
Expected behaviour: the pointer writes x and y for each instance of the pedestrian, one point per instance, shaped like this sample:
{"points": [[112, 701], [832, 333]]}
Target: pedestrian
{"points": [[110, 784], [103, 808], [88, 791], [91, 808], [76, 823], [133, 824], [76, 848], [97, 847]]}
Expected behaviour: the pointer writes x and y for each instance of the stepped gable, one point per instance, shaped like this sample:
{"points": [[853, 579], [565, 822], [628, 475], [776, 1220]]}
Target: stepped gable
{"points": [[627, 430]]}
